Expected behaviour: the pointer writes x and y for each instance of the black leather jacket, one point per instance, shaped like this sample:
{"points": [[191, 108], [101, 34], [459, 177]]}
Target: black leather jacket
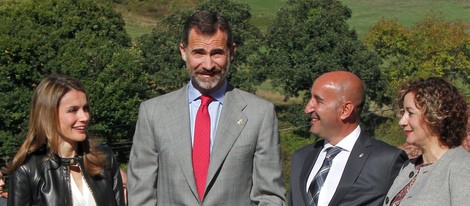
{"points": [[46, 182]]}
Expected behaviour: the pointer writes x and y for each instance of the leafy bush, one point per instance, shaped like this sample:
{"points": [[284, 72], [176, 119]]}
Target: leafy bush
{"points": [[432, 47], [80, 38]]}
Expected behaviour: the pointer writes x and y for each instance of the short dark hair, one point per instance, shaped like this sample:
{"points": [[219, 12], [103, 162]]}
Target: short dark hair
{"points": [[443, 107], [207, 23]]}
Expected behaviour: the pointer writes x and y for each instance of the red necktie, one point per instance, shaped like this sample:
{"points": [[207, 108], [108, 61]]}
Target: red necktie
{"points": [[201, 145]]}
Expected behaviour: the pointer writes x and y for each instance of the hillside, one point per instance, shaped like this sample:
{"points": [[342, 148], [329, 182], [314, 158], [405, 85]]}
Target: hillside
{"points": [[142, 15]]}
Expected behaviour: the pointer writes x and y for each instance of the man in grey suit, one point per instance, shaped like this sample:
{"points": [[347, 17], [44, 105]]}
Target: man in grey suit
{"points": [[244, 167], [362, 170]]}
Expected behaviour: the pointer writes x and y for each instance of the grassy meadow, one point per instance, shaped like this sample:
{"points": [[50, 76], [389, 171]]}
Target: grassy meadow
{"points": [[142, 16], [263, 12], [366, 13]]}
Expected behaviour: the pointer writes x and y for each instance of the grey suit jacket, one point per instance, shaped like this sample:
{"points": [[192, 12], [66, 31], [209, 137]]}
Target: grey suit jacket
{"points": [[370, 170], [245, 166], [445, 182]]}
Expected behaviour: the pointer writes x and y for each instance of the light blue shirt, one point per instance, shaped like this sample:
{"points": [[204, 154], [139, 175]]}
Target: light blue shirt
{"points": [[215, 108]]}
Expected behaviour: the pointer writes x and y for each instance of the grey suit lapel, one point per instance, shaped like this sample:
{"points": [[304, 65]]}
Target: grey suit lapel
{"points": [[356, 161], [231, 123], [179, 128]]}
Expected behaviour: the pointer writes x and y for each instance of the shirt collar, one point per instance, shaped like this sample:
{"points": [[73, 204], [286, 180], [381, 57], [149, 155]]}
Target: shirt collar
{"points": [[348, 142], [218, 95]]}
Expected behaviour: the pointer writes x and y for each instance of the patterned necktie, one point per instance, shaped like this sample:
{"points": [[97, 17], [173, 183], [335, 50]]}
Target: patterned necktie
{"points": [[320, 177], [201, 145]]}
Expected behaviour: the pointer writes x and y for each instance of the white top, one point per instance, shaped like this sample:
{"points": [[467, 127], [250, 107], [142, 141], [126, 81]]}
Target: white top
{"points": [[337, 166], [81, 198]]}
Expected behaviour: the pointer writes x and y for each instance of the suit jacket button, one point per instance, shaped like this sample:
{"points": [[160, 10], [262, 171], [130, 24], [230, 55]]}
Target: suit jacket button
{"points": [[387, 200], [411, 174]]}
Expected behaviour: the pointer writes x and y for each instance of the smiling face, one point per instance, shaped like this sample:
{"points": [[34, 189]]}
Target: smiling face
{"points": [[335, 105], [207, 59], [323, 109], [412, 122], [73, 116]]}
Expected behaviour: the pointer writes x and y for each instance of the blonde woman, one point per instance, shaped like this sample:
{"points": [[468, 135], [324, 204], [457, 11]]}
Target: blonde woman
{"points": [[434, 119], [57, 164]]}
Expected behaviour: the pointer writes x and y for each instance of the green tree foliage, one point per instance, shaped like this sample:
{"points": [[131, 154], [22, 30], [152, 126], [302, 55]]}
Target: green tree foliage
{"points": [[80, 38], [433, 47], [311, 37], [162, 58]]}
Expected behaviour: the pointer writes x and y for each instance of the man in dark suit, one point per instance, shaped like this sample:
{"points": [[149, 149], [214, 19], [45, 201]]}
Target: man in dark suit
{"points": [[232, 159], [362, 169]]}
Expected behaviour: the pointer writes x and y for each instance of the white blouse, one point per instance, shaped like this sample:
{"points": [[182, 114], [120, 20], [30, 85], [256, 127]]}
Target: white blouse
{"points": [[81, 198]]}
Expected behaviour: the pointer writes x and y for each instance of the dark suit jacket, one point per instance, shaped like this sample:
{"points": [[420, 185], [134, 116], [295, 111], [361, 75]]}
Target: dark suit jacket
{"points": [[370, 170]]}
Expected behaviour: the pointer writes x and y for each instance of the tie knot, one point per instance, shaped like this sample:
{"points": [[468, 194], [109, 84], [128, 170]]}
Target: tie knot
{"points": [[205, 100], [331, 152]]}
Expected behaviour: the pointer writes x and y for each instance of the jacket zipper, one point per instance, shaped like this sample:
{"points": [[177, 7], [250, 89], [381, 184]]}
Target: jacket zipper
{"points": [[67, 179], [88, 185]]}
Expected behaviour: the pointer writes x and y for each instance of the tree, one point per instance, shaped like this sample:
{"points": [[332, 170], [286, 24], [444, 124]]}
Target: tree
{"points": [[80, 38], [163, 61], [432, 47], [311, 37]]}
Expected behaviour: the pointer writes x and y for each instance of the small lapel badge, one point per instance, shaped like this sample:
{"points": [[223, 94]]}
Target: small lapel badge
{"points": [[361, 155], [240, 122]]}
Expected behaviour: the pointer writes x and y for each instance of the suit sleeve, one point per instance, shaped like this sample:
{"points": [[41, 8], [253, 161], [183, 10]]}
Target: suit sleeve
{"points": [[458, 182], [289, 198], [143, 163], [20, 188], [268, 183], [396, 166], [117, 179]]}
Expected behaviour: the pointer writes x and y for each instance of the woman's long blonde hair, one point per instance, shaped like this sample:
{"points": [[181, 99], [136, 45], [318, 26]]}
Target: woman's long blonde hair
{"points": [[44, 126]]}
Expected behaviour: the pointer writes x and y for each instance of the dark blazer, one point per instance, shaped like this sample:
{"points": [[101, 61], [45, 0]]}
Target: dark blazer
{"points": [[370, 170]]}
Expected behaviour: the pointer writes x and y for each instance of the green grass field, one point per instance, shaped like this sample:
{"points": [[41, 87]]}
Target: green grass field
{"points": [[263, 12], [365, 13]]}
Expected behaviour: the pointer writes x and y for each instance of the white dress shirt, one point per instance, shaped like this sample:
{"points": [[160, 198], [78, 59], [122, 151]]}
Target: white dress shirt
{"points": [[84, 197], [337, 167]]}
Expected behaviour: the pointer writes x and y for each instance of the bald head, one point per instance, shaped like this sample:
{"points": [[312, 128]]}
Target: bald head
{"points": [[347, 86], [335, 105]]}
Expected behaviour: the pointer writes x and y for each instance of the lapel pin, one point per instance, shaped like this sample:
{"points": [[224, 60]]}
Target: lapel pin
{"points": [[362, 154], [240, 121]]}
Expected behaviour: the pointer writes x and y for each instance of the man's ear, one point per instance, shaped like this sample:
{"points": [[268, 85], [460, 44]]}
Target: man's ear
{"points": [[232, 51], [346, 110], [183, 51]]}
